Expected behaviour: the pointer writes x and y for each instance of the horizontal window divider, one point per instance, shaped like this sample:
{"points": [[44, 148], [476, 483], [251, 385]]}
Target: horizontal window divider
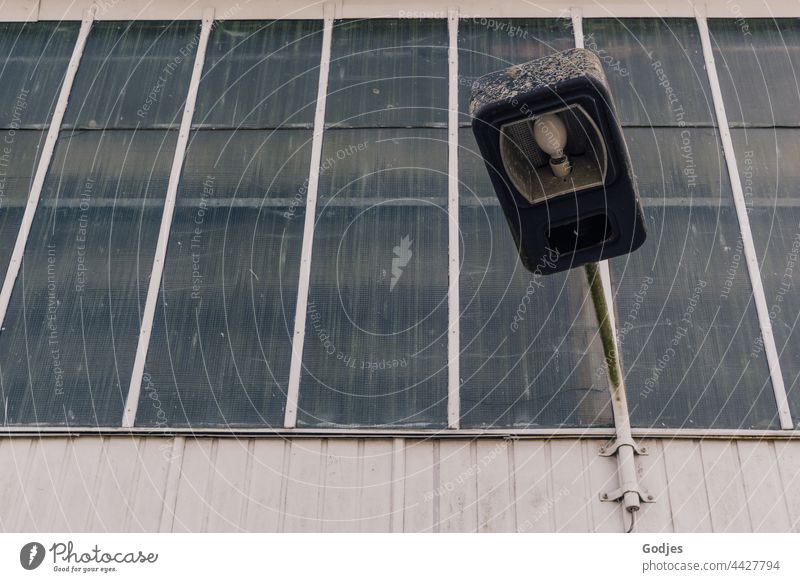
{"points": [[288, 126], [466, 199], [335, 126], [748, 125], [625, 125], [601, 434]]}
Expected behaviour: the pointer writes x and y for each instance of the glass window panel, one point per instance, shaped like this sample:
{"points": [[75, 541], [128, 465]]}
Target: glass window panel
{"points": [[758, 62], [260, 74], [767, 160], [379, 163], [36, 55], [655, 68], [221, 343], [133, 74], [19, 153], [388, 72], [488, 44], [679, 166], [687, 323], [375, 349], [70, 335], [531, 353]]}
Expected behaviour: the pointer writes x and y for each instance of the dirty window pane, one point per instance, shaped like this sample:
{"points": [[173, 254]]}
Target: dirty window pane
{"points": [[375, 350], [19, 154], [388, 72], [260, 74], [70, 335], [679, 166], [221, 343], [488, 44], [530, 350], [133, 74], [758, 62], [34, 59], [366, 163], [687, 323], [655, 68], [767, 160]]}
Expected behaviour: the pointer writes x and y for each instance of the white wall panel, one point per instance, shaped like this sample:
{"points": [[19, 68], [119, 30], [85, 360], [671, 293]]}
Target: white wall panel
{"points": [[376, 484]]}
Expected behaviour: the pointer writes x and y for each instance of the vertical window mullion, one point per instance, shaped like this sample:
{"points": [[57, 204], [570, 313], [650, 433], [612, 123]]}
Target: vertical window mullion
{"points": [[453, 300], [298, 338]]}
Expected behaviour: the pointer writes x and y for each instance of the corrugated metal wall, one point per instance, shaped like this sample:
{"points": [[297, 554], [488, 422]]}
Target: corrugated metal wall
{"points": [[344, 484]]}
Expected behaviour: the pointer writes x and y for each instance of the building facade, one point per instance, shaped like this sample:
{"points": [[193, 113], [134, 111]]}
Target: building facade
{"points": [[255, 277]]}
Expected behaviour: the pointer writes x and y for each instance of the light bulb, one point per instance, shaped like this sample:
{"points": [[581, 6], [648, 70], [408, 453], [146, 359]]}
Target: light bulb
{"points": [[550, 134]]}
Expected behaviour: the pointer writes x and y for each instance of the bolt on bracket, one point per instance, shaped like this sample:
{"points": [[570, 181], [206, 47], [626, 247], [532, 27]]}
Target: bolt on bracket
{"points": [[618, 494], [611, 449]]}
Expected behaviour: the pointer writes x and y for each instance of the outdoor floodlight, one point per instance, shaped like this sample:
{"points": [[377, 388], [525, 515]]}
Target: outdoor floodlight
{"points": [[550, 138]]}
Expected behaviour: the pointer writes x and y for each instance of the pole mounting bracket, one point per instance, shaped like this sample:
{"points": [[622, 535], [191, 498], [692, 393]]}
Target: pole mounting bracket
{"points": [[611, 449], [618, 494]]}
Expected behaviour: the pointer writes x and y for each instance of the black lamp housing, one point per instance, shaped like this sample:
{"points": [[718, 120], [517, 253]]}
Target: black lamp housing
{"points": [[558, 221]]}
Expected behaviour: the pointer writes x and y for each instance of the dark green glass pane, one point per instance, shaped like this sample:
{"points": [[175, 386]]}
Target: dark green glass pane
{"points": [[221, 343], [34, 59], [260, 74], [758, 63], [70, 334], [375, 351], [767, 160], [655, 68], [388, 73], [133, 74], [19, 153]]}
